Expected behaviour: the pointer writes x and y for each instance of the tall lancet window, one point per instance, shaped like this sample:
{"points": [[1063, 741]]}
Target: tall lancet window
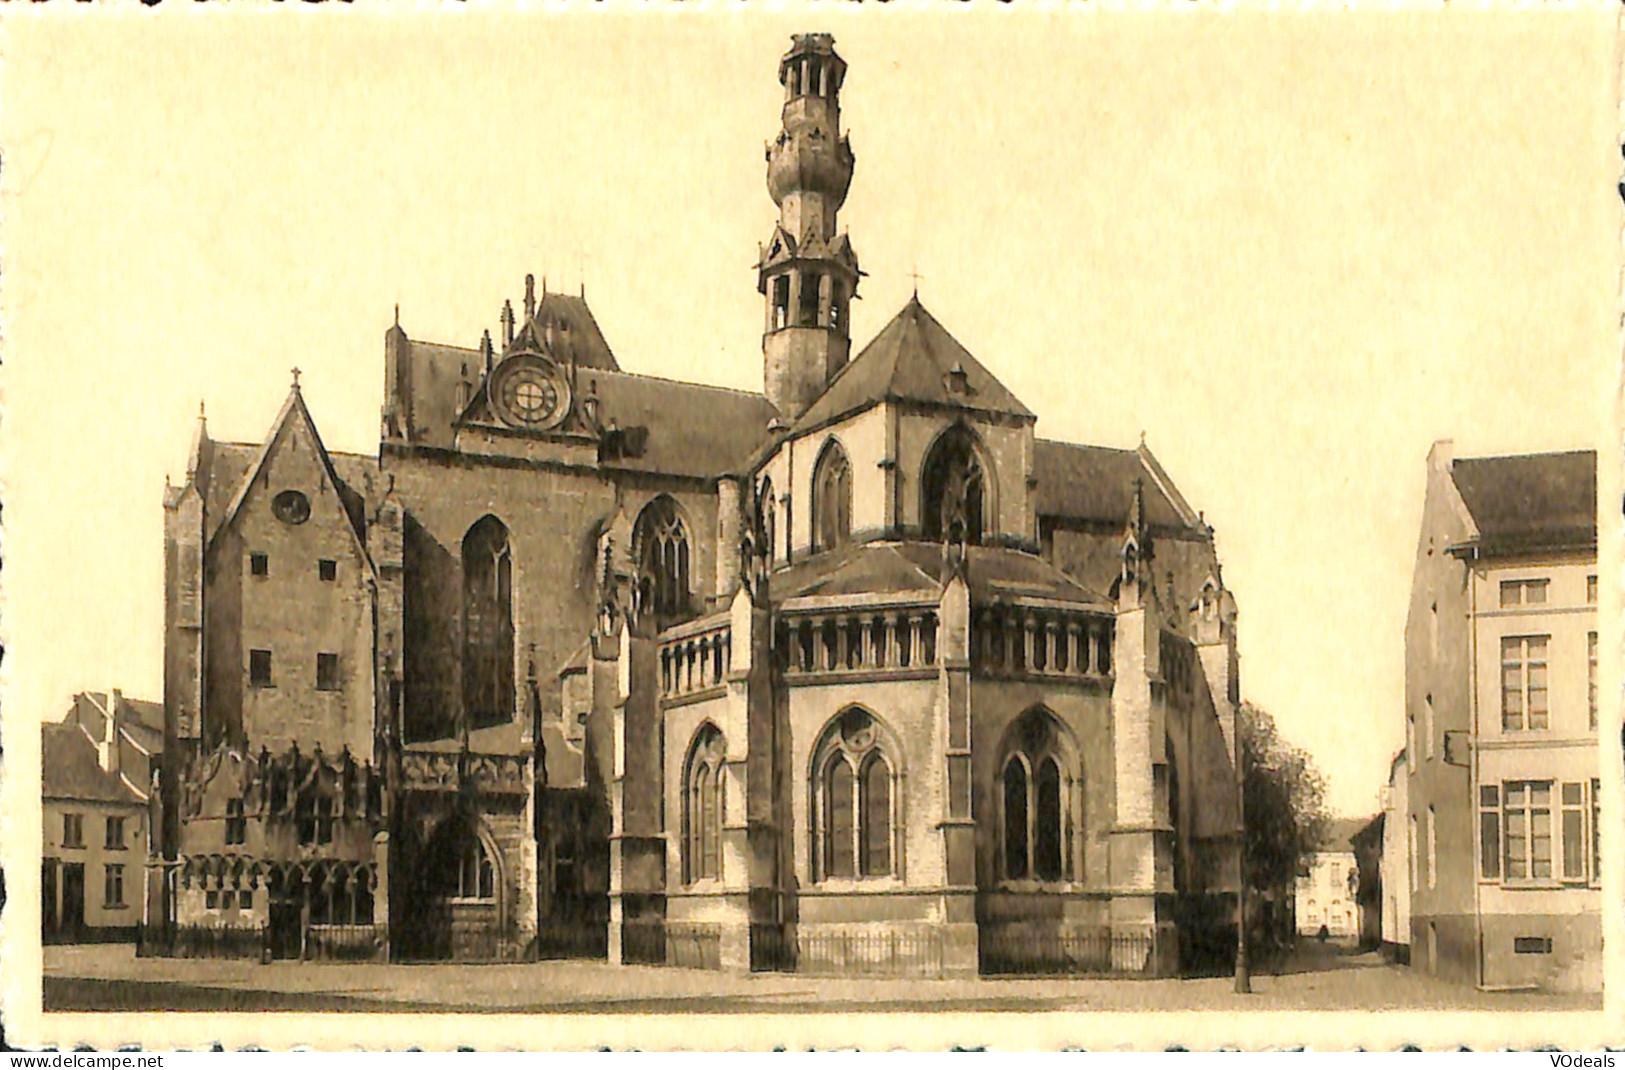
{"points": [[832, 498], [660, 540], [854, 800], [702, 806], [488, 695], [953, 489], [1039, 785]]}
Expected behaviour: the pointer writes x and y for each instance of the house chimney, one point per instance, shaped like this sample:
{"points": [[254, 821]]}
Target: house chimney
{"points": [[108, 748]]}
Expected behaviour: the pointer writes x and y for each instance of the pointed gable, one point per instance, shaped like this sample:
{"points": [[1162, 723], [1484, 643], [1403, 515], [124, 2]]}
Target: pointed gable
{"points": [[913, 358], [294, 422]]}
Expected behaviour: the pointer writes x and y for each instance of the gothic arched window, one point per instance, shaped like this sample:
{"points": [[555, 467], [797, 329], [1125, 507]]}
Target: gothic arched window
{"points": [[831, 498], [487, 624], [476, 875], [854, 800], [702, 806], [953, 489], [1037, 787], [662, 546]]}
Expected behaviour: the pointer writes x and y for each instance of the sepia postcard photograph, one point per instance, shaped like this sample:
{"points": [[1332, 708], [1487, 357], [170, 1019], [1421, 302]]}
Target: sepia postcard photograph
{"points": [[813, 525]]}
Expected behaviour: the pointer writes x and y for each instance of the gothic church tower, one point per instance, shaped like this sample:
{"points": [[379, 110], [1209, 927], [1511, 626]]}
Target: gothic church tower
{"points": [[807, 272]]}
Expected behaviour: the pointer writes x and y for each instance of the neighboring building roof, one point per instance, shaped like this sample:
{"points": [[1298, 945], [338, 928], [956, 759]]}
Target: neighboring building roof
{"points": [[693, 429], [1539, 501], [1341, 832], [913, 358], [69, 768], [582, 340], [1097, 483], [995, 574]]}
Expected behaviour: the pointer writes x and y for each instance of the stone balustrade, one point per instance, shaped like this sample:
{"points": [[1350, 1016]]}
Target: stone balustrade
{"points": [[696, 660], [858, 640], [1018, 640]]}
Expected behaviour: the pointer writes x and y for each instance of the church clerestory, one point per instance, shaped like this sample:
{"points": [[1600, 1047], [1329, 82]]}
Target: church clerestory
{"points": [[855, 675]]}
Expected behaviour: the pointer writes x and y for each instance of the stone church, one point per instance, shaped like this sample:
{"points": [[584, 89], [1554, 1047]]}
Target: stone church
{"points": [[857, 674]]}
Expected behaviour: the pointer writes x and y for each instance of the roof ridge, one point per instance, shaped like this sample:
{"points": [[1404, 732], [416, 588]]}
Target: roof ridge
{"points": [[676, 382]]}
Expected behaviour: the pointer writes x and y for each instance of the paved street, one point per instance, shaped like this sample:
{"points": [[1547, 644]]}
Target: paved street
{"points": [[1318, 978]]}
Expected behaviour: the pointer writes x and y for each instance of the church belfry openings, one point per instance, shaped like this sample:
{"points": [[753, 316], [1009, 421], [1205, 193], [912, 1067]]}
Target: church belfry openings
{"points": [[807, 273]]}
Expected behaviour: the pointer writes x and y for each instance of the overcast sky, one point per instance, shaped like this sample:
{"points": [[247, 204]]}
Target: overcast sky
{"points": [[1292, 250]]}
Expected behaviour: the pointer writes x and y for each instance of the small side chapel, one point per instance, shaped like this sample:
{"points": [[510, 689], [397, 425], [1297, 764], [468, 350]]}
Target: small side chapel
{"points": [[855, 675]]}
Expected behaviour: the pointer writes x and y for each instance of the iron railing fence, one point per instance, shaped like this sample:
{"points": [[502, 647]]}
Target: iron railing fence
{"points": [[347, 943], [870, 952], [771, 948], [643, 941], [697, 947], [202, 941], [572, 938], [1095, 952]]}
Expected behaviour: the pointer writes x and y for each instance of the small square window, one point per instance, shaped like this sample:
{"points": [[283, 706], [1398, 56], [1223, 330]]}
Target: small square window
{"points": [[259, 564], [259, 668], [228, 900], [211, 900], [327, 672], [328, 570]]}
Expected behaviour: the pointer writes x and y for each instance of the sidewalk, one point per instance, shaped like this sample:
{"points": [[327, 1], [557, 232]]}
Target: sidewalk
{"points": [[110, 977]]}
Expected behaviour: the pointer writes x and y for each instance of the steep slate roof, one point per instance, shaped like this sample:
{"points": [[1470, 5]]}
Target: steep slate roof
{"points": [[910, 359], [694, 430], [230, 462], [585, 341], [996, 574], [1538, 501], [1341, 831], [294, 409], [1097, 483], [69, 768]]}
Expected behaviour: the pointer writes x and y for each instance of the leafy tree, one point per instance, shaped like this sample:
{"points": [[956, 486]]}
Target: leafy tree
{"points": [[1284, 797]]}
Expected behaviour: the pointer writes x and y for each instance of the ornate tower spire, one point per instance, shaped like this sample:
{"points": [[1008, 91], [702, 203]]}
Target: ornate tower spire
{"points": [[807, 272]]}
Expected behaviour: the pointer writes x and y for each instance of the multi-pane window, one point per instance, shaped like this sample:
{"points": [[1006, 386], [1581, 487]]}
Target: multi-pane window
{"points": [[1591, 677], [327, 672], [115, 833], [1489, 831], [1573, 800], [259, 668], [114, 885], [259, 564], [702, 807], [1527, 829], [73, 830], [1036, 790], [1523, 592], [1516, 831], [476, 876], [661, 543], [236, 823], [1523, 682], [853, 831], [327, 570]]}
